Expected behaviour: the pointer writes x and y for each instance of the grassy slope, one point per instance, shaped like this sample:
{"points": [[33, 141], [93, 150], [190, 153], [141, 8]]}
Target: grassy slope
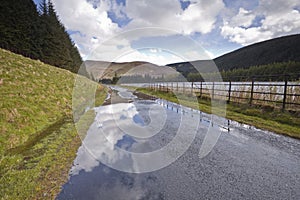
{"points": [[38, 138], [277, 50], [275, 121]]}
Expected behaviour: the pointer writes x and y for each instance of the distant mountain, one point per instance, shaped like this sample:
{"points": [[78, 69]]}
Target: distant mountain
{"points": [[283, 49], [108, 70]]}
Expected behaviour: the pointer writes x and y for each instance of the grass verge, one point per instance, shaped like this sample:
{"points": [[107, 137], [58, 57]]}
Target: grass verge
{"points": [[284, 123], [38, 136]]}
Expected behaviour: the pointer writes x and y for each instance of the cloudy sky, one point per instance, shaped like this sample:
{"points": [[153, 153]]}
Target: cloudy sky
{"points": [[168, 31]]}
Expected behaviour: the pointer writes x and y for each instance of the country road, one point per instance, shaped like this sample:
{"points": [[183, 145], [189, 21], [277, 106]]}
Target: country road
{"points": [[245, 163]]}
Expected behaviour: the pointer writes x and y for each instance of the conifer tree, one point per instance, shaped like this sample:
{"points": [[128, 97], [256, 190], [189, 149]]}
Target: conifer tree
{"points": [[39, 35], [19, 21]]}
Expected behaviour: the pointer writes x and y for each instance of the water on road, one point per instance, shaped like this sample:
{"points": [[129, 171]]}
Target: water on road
{"points": [[149, 149]]}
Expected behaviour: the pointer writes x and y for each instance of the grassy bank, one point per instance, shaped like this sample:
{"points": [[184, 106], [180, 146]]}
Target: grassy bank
{"points": [[38, 137], [279, 122]]}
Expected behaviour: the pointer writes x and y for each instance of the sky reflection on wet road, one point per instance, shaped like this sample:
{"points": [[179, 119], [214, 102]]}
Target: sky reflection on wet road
{"points": [[244, 164]]}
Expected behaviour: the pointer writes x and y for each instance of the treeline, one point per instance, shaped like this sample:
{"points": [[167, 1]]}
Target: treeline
{"points": [[140, 79], [270, 72], [150, 79], [37, 33]]}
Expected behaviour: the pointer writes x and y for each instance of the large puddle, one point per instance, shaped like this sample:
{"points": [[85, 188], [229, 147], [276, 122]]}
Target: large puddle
{"points": [[141, 147]]}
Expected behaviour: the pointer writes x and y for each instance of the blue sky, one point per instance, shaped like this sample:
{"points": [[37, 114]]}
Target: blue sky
{"points": [[167, 31]]}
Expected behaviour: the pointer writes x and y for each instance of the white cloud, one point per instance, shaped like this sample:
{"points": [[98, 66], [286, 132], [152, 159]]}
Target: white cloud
{"points": [[245, 36], [210, 55], [276, 7], [243, 18], [94, 30], [93, 26], [287, 23], [157, 57], [81, 16], [119, 9], [277, 18], [200, 16], [154, 50], [110, 50]]}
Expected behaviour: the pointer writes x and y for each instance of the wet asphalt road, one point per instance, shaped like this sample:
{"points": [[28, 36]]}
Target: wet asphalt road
{"points": [[245, 163]]}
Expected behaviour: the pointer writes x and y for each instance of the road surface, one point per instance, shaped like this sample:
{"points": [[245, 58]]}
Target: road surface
{"points": [[245, 163]]}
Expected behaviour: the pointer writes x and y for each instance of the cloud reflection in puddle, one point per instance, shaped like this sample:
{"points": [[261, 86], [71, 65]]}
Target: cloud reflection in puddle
{"points": [[120, 138]]}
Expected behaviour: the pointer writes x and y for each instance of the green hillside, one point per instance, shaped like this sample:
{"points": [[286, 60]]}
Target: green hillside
{"points": [[276, 56], [283, 49], [38, 138]]}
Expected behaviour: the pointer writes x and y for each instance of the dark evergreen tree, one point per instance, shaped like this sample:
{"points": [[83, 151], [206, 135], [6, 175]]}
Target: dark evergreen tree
{"points": [[19, 22], [58, 48], [43, 7], [39, 35], [55, 49]]}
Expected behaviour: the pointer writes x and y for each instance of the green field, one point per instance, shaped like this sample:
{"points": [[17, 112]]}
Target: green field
{"points": [[38, 135], [276, 121]]}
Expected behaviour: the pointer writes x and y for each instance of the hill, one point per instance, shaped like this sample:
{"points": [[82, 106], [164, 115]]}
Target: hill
{"points": [[105, 70], [185, 68], [278, 50], [283, 49], [38, 138]]}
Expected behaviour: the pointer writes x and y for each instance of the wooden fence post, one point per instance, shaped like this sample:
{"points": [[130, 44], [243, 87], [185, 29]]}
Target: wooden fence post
{"points": [[229, 92], [213, 90], [192, 88], [252, 89], [284, 95], [167, 85], [200, 88]]}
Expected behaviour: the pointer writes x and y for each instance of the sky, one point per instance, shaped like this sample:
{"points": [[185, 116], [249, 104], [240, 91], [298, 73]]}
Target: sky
{"points": [[169, 31]]}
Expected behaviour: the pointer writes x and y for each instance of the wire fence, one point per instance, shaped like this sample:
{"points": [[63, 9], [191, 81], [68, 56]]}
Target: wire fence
{"points": [[280, 95]]}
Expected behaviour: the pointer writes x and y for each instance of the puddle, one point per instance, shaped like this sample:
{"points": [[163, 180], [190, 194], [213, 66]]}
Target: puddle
{"points": [[141, 147]]}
